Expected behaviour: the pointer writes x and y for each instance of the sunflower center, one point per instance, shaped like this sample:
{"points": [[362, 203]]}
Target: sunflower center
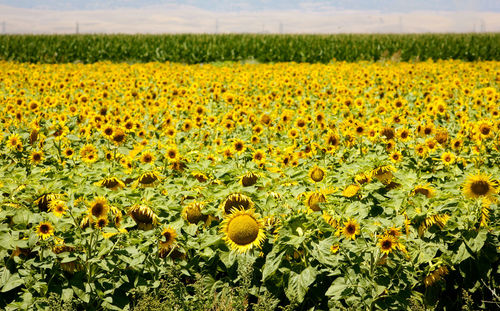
{"points": [[97, 209], [350, 229], [480, 187], [243, 230], [386, 244], [44, 229]]}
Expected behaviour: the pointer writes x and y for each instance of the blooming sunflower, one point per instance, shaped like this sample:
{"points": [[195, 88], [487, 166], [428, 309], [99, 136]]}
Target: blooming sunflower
{"points": [[58, 207], [387, 243], [426, 190], [98, 207], [351, 229], [242, 230], [45, 230], [479, 186], [36, 157], [448, 158], [147, 157]]}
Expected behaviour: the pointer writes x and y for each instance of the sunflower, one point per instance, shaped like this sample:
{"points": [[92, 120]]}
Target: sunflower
{"points": [[351, 229], [383, 173], [362, 178], [44, 200], [314, 199], [147, 157], [387, 243], [13, 141], [448, 158], [149, 179], [249, 179], [58, 207], [192, 213], [317, 174], [426, 190], [98, 207], [396, 156], [36, 157], [259, 156], [242, 230], [119, 136], [435, 276], [172, 154], [101, 222], [112, 183], [239, 146], [108, 131], [144, 216], [236, 201], [351, 190], [479, 186], [45, 230], [166, 243], [68, 152]]}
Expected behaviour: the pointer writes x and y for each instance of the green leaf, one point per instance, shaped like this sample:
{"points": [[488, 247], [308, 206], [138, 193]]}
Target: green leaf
{"points": [[13, 281], [273, 261], [337, 288]]}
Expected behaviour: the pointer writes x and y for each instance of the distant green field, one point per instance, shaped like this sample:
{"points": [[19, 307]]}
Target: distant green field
{"points": [[202, 48]]}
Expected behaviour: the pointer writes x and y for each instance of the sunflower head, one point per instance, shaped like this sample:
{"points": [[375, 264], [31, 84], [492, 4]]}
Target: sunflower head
{"points": [[45, 230], [192, 213], [242, 230], [362, 178], [43, 201], [149, 179], [351, 229], [98, 207], [236, 201], [479, 186], [317, 174], [249, 179], [351, 190], [112, 183], [426, 190], [58, 207], [314, 199], [144, 216], [383, 173], [387, 243]]}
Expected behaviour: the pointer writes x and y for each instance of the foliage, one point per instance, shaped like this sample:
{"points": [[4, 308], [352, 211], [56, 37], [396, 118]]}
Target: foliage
{"points": [[237, 186], [205, 48]]}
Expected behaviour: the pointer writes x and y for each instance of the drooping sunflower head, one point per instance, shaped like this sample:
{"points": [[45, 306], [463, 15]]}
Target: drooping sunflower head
{"points": [[166, 244], [44, 200], [101, 222], [98, 207], [426, 190], [45, 230], [362, 178], [249, 179], [383, 173], [479, 186], [149, 179], [168, 236], [112, 183], [144, 216], [314, 199], [317, 174], [192, 213], [236, 201], [242, 230]]}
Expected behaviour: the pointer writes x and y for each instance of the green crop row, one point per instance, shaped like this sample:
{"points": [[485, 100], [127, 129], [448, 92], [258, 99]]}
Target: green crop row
{"points": [[202, 48]]}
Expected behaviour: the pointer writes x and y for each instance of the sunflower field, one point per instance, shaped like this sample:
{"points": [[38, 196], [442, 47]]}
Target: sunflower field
{"points": [[242, 186]]}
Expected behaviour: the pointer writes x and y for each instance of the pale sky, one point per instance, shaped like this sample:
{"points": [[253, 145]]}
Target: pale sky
{"points": [[258, 16]]}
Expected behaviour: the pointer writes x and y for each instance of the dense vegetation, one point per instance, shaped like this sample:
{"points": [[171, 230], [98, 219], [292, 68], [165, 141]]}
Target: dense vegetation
{"points": [[205, 48], [166, 186]]}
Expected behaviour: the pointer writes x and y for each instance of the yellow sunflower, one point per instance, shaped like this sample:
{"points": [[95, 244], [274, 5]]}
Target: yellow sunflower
{"points": [[479, 186], [387, 243], [351, 190], [351, 229], [249, 179], [58, 207], [192, 213], [45, 230], [242, 230], [112, 183], [426, 190], [36, 157], [314, 199], [98, 207]]}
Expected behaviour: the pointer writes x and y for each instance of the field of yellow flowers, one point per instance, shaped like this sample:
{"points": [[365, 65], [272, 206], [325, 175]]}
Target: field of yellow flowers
{"points": [[250, 186]]}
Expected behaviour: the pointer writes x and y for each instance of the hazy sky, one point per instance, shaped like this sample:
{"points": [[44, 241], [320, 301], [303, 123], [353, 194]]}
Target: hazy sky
{"points": [[280, 16]]}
